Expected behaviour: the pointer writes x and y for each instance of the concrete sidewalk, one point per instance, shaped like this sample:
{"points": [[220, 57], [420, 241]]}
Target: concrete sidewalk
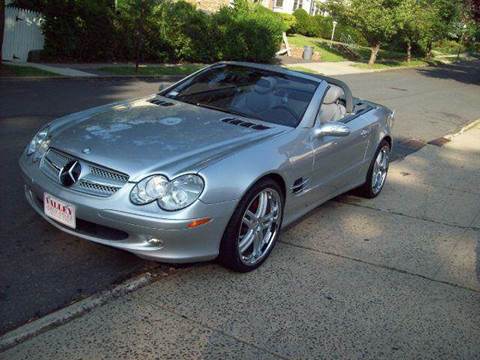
{"points": [[396, 277], [333, 68], [60, 70]]}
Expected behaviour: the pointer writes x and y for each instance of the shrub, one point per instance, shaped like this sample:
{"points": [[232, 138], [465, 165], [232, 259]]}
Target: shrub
{"points": [[80, 30], [304, 24], [289, 20], [253, 35], [185, 31], [448, 47], [162, 31]]}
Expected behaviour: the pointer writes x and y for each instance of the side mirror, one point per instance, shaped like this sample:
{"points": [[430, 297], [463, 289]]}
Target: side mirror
{"points": [[162, 86], [332, 129]]}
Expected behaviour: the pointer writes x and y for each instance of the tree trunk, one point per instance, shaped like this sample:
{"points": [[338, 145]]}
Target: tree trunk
{"points": [[2, 27], [409, 51], [373, 55], [429, 50], [139, 47]]}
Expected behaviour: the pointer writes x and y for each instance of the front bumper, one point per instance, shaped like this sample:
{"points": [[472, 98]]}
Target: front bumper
{"points": [[116, 222]]}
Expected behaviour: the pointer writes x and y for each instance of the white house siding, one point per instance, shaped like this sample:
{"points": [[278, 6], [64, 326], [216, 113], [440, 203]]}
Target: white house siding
{"points": [[289, 6]]}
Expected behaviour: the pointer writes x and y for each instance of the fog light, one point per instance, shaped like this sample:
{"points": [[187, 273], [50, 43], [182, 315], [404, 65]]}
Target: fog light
{"points": [[154, 241]]}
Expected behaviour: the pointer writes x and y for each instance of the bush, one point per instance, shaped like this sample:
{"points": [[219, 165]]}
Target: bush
{"points": [[81, 30], [185, 31], [321, 26], [304, 24], [448, 47], [289, 20], [164, 31], [253, 35]]}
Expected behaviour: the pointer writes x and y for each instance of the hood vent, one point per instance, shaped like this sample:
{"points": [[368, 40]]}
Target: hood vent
{"points": [[246, 124], [160, 102]]}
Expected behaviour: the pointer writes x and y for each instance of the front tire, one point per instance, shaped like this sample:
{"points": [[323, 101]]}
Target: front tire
{"points": [[253, 228], [377, 173]]}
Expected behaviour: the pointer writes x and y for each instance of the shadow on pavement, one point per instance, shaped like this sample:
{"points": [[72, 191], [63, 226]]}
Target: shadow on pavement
{"points": [[465, 72]]}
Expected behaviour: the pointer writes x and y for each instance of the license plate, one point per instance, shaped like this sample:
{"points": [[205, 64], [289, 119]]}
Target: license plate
{"points": [[59, 210]]}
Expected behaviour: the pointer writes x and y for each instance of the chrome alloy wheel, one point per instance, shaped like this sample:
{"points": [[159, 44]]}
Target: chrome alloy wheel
{"points": [[380, 168], [259, 227]]}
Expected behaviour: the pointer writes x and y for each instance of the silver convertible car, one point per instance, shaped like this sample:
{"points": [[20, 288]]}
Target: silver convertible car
{"points": [[211, 167]]}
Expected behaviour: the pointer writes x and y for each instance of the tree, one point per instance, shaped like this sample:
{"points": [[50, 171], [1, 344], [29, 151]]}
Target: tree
{"points": [[437, 20], [136, 14], [375, 19], [409, 24], [474, 7]]}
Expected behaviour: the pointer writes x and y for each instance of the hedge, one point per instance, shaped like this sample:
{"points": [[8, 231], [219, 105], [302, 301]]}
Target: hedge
{"points": [[171, 31]]}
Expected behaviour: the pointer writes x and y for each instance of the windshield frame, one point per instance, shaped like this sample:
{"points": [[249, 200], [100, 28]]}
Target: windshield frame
{"points": [[315, 100]]}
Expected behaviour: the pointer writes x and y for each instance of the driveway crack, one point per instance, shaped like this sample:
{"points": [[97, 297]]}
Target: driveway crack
{"points": [[381, 266]]}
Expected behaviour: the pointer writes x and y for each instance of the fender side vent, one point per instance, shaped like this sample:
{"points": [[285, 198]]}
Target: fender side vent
{"points": [[233, 121], [299, 185], [160, 102]]}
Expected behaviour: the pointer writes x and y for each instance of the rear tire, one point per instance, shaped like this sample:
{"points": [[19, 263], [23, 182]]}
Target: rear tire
{"points": [[377, 172], [254, 227]]}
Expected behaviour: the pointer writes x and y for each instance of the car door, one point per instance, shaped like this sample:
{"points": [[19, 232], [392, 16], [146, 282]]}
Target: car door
{"points": [[338, 160]]}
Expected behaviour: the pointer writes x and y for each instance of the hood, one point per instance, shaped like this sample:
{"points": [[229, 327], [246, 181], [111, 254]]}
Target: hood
{"points": [[141, 138]]}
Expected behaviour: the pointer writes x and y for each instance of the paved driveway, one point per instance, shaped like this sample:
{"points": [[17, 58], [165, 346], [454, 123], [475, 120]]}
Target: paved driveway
{"points": [[393, 278], [37, 259]]}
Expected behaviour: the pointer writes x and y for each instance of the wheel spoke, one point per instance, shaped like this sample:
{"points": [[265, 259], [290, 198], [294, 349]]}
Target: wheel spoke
{"points": [[262, 205], [246, 241], [248, 219], [257, 243]]}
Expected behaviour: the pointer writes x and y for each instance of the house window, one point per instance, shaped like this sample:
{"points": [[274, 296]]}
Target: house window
{"points": [[297, 4], [278, 3]]}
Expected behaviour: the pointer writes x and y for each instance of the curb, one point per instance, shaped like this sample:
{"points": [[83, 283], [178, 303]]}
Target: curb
{"points": [[463, 129], [99, 77], [73, 311]]}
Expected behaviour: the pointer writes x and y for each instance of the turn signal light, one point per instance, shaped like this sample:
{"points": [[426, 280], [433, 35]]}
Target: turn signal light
{"points": [[198, 222]]}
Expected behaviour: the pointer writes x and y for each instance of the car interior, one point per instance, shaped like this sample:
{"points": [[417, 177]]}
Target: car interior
{"points": [[334, 105], [269, 96]]}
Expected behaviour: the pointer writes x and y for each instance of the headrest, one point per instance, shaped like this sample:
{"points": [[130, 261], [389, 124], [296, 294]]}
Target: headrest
{"points": [[265, 85], [333, 94]]}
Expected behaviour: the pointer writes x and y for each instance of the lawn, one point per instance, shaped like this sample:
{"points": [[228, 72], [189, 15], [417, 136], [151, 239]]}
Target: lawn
{"points": [[389, 64], [152, 70], [14, 70], [330, 54], [302, 69]]}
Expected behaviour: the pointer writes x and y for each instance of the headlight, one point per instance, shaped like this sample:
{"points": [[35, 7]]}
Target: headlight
{"points": [[39, 144], [170, 195]]}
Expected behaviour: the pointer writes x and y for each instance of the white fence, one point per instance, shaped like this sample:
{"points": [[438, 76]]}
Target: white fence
{"points": [[22, 33]]}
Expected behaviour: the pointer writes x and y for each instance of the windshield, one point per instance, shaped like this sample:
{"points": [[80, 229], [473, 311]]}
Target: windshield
{"points": [[255, 93]]}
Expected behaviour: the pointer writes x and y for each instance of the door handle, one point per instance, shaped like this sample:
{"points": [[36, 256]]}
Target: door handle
{"points": [[364, 132]]}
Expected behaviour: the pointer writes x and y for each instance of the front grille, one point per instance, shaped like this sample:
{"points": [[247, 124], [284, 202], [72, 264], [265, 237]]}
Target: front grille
{"points": [[94, 179]]}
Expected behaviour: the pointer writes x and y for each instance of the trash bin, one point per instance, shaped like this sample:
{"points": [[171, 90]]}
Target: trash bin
{"points": [[307, 52]]}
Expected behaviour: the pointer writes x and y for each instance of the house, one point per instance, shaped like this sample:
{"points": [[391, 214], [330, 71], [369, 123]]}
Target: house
{"points": [[289, 6], [285, 6]]}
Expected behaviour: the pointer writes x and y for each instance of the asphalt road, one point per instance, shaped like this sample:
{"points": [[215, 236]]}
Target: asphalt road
{"points": [[42, 269]]}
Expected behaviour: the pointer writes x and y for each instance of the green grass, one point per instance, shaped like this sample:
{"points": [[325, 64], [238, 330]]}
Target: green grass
{"points": [[320, 45], [302, 69], [330, 54], [392, 64], [151, 70], [13, 70]]}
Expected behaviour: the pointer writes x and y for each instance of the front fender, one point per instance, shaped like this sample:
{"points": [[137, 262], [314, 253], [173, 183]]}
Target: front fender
{"points": [[286, 156]]}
